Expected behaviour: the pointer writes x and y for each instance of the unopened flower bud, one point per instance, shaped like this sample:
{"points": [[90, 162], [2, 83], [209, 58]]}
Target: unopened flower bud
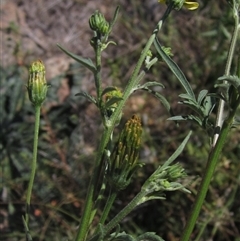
{"points": [[98, 23], [175, 171], [37, 85], [167, 50], [124, 158]]}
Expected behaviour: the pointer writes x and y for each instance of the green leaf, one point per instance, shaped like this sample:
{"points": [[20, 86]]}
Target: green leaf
{"points": [[149, 236], [84, 61], [208, 105], [186, 117], [108, 89], [194, 106], [151, 83], [201, 96], [175, 69], [188, 97], [114, 18], [112, 101], [86, 95], [231, 79], [177, 152], [178, 118], [162, 99]]}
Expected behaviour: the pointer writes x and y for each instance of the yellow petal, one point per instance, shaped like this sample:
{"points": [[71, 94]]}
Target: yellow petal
{"points": [[191, 5], [162, 1]]}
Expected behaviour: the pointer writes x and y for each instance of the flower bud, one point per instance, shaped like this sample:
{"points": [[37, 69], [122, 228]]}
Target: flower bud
{"points": [[37, 85], [167, 50], [98, 23], [175, 171], [123, 160]]}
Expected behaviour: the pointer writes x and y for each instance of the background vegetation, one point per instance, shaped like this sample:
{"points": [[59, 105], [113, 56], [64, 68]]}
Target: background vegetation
{"points": [[70, 126]]}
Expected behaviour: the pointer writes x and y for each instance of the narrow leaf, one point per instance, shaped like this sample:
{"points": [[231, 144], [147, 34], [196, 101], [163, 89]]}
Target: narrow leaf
{"points": [[208, 105], [84, 61], [231, 79], [194, 106], [149, 84], [112, 101], [174, 68], [161, 98], [186, 117], [177, 152], [178, 118], [201, 96], [150, 236], [86, 95], [108, 89], [187, 97], [114, 18]]}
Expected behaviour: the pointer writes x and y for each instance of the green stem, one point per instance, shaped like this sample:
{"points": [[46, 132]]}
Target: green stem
{"points": [[98, 200], [231, 52], [84, 223], [97, 75], [211, 165], [218, 140], [124, 212], [108, 207], [34, 163], [120, 216]]}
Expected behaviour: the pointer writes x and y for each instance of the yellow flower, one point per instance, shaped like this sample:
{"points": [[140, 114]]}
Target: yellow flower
{"points": [[179, 3]]}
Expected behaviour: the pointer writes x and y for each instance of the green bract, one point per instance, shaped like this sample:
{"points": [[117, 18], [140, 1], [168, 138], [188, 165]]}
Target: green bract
{"points": [[37, 85], [124, 158], [98, 23]]}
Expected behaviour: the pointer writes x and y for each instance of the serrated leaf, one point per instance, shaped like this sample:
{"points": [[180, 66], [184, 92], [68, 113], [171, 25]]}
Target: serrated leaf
{"points": [[175, 69], [112, 101], [84, 61], [87, 96], [108, 89], [202, 94]]}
